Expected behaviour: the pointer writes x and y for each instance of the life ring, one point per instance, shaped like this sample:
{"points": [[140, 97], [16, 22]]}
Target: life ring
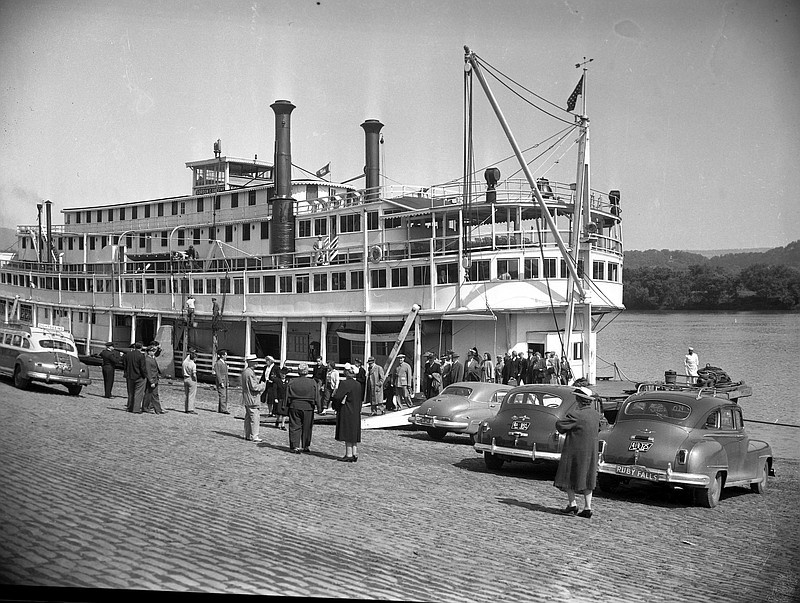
{"points": [[375, 254]]}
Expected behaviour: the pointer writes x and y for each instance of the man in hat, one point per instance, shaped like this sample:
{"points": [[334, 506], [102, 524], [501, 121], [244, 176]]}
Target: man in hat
{"points": [[301, 398], [221, 381], [373, 394], [456, 373], [190, 382], [692, 362], [152, 401], [433, 375], [252, 387], [110, 358], [402, 382], [136, 377]]}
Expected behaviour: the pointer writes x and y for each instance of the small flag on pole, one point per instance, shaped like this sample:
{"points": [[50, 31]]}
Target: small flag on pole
{"points": [[573, 98], [326, 169]]}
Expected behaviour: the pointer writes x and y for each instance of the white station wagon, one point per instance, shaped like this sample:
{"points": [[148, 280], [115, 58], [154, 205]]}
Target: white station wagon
{"points": [[44, 353]]}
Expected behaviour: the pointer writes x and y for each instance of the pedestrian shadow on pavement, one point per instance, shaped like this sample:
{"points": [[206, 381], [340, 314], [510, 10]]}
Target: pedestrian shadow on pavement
{"points": [[528, 505], [538, 470]]}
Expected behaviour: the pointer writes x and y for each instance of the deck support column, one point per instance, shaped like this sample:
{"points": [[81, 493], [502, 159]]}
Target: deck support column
{"points": [[110, 327], [323, 339], [248, 327], [284, 337], [133, 329], [367, 338]]}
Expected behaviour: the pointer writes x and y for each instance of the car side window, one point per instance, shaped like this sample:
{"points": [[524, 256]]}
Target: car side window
{"points": [[17, 341], [712, 422], [26, 344], [8, 338], [737, 417], [726, 418], [551, 401]]}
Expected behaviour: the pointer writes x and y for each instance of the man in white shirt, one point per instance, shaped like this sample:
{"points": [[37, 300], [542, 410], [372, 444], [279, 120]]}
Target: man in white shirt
{"points": [[692, 362]]}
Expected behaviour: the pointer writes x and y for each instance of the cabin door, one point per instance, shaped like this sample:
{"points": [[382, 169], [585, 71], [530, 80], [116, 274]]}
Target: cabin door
{"points": [[268, 344], [145, 329]]}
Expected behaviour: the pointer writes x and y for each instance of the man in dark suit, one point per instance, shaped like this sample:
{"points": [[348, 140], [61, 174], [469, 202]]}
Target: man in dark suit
{"points": [[522, 369], [152, 401], [136, 377], [456, 373], [111, 359], [302, 395]]}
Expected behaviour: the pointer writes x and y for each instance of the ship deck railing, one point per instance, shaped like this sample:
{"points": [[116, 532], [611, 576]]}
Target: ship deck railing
{"points": [[440, 247]]}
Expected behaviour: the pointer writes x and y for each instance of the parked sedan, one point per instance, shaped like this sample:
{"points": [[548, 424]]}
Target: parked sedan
{"points": [[524, 428], [460, 408], [683, 439]]}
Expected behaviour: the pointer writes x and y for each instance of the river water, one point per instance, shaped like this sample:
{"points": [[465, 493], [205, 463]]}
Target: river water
{"points": [[762, 349]]}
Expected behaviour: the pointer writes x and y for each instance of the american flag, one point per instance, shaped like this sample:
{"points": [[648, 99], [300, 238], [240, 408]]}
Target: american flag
{"points": [[328, 249], [573, 98]]}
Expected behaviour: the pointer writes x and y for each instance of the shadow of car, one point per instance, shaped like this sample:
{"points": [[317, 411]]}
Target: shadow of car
{"points": [[524, 428], [683, 439], [459, 408]]}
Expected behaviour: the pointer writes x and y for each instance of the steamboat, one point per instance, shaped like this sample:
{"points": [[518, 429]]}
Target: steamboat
{"points": [[299, 267]]}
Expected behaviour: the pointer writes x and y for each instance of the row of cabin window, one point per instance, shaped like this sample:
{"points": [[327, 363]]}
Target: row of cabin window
{"points": [[177, 208], [446, 273]]}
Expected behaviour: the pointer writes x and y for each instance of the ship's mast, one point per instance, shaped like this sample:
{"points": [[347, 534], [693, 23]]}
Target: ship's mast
{"points": [[472, 64], [580, 241]]}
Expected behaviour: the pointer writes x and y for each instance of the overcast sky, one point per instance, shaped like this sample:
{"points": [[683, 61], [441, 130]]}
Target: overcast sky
{"points": [[693, 104]]}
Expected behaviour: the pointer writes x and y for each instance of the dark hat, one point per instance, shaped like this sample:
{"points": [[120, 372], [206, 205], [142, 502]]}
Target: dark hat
{"points": [[222, 351], [285, 370], [155, 344], [109, 343], [371, 359], [138, 345], [455, 355]]}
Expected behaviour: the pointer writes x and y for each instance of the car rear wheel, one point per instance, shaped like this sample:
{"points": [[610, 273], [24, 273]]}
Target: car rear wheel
{"points": [[493, 462], [709, 497], [760, 486], [608, 483], [74, 390], [436, 433], [20, 381]]}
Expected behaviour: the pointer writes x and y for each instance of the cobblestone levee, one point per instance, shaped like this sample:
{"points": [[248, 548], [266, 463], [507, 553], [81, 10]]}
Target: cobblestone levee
{"points": [[94, 497]]}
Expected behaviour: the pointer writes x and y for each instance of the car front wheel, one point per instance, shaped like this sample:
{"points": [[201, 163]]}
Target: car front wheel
{"points": [[760, 486], [19, 380], [709, 497], [493, 462], [435, 433]]}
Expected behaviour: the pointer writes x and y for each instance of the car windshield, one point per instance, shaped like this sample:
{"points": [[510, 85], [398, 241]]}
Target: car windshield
{"points": [[658, 409], [532, 399], [56, 345], [457, 390]]}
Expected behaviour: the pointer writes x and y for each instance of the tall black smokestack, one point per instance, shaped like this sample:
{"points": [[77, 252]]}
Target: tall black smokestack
{"points": [[281, 240], [49, 242], [372, 169]]}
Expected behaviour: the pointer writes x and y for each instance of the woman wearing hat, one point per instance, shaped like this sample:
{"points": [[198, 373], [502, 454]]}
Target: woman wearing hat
{"points": [[346, 402], [577, 469]]}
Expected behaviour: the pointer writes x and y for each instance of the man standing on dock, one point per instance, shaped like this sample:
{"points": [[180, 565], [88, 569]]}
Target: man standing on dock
{"points": [[136, 377], [190, 382], [251, 399], [110, 358], [221, 379], [692, 362]]}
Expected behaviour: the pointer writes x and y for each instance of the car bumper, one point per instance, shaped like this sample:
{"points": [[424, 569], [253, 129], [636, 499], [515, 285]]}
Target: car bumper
{"points": [[666, 476], [526, 454], [423, 421], [48, 378]]}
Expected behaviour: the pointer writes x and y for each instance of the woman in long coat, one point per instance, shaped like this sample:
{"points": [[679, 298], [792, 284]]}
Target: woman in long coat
{"points": [[577, 469], [346, 401]]}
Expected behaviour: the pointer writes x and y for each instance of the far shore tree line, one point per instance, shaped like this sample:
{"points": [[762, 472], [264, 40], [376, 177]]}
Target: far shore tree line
{"points": [[704, 287], [684, 280]]}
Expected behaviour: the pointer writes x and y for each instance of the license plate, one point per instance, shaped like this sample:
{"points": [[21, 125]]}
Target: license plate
{"points": [[640, 446], [425, 420], [637, 472], [522, 425]]}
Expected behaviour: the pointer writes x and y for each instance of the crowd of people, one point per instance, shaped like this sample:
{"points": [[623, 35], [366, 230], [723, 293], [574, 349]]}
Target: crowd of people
{"points": [[325, 389]]}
